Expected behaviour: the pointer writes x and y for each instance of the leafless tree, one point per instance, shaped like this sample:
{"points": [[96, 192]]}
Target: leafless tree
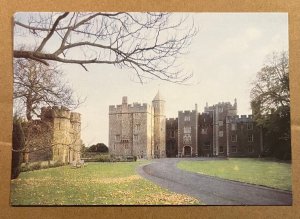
{"points": [[148, 43], [37, 85], [38, 139]]}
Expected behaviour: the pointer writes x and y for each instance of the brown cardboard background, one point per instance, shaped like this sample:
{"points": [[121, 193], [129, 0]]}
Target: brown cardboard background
{"points": [[7, 9]]}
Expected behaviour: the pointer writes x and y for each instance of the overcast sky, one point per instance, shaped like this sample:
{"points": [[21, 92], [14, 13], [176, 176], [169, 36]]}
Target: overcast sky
{"points": [[224, 58]]}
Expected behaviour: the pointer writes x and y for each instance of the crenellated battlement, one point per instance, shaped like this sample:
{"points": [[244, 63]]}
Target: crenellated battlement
{"points": [[171, 119], [240, 118], [226, 105], [130, 108], [187, 112], [55, 112]]}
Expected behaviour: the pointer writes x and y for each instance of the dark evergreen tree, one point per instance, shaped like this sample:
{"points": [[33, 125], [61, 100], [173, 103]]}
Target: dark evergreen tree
{"points": [[18, 144], [100, 147]]}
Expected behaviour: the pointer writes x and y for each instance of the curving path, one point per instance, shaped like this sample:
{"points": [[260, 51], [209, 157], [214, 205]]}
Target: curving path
{"points": [[210, 190]]}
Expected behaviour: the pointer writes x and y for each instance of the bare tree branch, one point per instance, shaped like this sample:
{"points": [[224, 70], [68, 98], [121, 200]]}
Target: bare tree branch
{"points": [[148, 43], [37, 85]]}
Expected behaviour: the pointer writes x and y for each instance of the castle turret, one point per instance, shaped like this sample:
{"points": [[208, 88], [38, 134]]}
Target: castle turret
{"points": [[158, 104], [235, 104], [75, 140]]}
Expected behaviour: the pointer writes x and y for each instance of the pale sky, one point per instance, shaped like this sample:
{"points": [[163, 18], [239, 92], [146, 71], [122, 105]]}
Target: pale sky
{"points": [[224, 57]]}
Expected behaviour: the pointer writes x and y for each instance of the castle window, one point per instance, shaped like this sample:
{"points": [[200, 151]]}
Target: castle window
{"points": [[220, 123], [233, 149], [233, 138], [172, 133], [187, 118], [126, 146], [124, 140], [220, 133], [137, 127], [250, 149], [204, 131], [250, 138], [117, 137], [221, 149], [233, 126], [136, 137], [249, 126], [187, 129], [187, 138]]}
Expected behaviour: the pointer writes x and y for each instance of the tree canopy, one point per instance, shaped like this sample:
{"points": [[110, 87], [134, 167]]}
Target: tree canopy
{"points": [[100, 147], [270, 100], [37, 85], [271, 88], [148, 43]]}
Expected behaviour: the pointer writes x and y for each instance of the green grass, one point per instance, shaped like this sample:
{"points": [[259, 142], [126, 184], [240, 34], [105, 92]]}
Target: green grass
{"points": [[95, 184], [256, 171]]}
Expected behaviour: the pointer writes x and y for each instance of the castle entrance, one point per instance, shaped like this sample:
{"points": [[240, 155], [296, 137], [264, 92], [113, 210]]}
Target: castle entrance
{"points": [[187, 150]]}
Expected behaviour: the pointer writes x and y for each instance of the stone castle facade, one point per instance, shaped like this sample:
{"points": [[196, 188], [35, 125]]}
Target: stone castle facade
{"points": [[218, 131], [142, 130], [138, 129], [60, 139]]}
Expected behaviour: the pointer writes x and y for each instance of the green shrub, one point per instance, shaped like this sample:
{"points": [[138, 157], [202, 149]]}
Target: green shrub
{"points": [[96, 157], [102, 158], [40, 165], [34, 166], [57, 163]]}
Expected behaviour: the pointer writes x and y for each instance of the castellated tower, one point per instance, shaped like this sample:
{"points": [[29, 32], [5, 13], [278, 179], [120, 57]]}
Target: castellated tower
{"points": [[75, 135], [158, 104], [66, 127], [138, 129], [219, 112], [131, 130]]}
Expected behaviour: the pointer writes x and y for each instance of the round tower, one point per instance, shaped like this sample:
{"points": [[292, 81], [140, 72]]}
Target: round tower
{"points": [[75, 140], [61, 133], [158, 104]]}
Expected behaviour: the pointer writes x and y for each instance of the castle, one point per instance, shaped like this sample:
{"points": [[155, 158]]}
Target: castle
{"points": [[138, 129], [142, 130], [55, 136]]}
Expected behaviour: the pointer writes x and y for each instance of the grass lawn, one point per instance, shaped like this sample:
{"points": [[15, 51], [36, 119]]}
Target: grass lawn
{"points": [[95, 184], [257, 171]]}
